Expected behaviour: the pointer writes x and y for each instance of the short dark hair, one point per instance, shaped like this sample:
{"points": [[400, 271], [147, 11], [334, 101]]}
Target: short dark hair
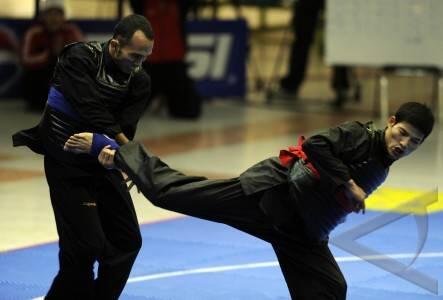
{"points": [[418, 115], [124, 30]]}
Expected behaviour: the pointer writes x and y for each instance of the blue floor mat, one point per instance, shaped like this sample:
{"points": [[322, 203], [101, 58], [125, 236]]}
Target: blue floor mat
{"points": [[188, 244]]}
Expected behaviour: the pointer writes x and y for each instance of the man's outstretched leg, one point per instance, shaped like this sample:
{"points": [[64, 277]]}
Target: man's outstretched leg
{"points": [[222, 201]]}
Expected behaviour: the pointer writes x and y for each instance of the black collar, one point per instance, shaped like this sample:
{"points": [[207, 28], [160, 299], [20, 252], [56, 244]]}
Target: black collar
{"points": [[383, 149]]}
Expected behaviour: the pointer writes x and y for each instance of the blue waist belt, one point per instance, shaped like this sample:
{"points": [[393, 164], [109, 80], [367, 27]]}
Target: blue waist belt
{"points": [[57, 101]]}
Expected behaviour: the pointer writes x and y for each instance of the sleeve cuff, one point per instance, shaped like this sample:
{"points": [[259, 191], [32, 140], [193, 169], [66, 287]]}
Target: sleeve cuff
{"points": [[99, 141]]}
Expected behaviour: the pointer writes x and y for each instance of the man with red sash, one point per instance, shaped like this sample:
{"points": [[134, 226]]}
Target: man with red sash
{"points": [[293, 201]]}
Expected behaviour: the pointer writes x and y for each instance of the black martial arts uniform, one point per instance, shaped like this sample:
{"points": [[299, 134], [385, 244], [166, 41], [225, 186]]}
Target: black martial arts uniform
{"points": [[95, 216], [266, 201]]}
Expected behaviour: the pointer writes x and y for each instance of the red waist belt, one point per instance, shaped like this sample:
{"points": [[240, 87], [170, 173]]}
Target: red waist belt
{"points": [[287, 157]]}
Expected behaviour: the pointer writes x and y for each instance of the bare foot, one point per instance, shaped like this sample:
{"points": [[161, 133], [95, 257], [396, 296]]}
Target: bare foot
{"points": [[79, 143]]}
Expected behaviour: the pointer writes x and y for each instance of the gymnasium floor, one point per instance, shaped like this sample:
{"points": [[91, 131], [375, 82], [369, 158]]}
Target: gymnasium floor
{"points": [[186, 258]]}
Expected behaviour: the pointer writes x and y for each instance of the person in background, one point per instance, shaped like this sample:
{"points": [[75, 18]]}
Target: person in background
{"points": [[42, 43], [8, 40], [167, 66], [305, 16], [9, 61]]}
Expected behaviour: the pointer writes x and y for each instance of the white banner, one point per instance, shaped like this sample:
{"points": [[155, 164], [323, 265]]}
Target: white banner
{"points": [[385, 32]]}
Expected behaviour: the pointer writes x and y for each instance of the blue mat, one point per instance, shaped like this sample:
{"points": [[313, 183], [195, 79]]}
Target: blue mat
{"points": [[193, 259]]}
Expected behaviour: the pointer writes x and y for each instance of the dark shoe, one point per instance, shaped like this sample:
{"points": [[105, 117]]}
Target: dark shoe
{"points": [[283, 94], [341, 96]]}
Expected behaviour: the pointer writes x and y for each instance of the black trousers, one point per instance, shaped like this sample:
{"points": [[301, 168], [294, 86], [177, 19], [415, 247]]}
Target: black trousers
{"points": [[306, 14], [96, 221], [309, 268], [171, 80]]}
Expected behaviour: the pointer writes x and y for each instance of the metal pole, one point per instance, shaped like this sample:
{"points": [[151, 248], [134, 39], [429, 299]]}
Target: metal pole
{"points": [[440, 135], [384, 98], [119, 9], [214, 9], [440, 99], [37, 8]]}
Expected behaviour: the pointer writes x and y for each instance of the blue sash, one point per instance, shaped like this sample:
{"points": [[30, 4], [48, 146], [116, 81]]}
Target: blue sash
{"points": [[57, 101]]}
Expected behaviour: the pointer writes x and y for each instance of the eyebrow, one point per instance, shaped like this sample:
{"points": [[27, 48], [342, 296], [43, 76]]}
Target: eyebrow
{"points": [[137, 56], [415, 139]]}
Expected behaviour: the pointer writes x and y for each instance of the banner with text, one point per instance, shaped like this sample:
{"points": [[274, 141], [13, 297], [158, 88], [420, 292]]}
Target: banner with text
{"points": [[216, 54]]}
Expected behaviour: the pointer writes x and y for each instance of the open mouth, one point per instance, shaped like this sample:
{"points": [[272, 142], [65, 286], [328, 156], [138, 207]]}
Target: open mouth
{"points": [[398, 151]]}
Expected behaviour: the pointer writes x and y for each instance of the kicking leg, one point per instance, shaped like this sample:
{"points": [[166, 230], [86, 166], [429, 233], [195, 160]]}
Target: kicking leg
{"points": [[216, 200]]}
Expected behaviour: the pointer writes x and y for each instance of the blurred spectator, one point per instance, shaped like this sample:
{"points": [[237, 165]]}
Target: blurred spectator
{"points": [[8, 41], [305, 16], [9, 48], [167, 66], [42, 43]]}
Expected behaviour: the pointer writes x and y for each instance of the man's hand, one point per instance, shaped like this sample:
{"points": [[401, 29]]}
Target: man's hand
{"points": [[79, 143], [121, 138], [106, 158], [357, 195]]}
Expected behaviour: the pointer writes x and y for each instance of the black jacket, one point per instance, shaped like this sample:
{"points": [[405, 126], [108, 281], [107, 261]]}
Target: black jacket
{"points": [[107, 100], [351, 150]]}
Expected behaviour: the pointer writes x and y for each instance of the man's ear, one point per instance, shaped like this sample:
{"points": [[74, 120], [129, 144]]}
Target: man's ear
{"points": [[392, 120], [115, 45]]}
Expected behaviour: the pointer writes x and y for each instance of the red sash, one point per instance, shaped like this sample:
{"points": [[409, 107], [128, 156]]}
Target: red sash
{"points": [[296, 152]]}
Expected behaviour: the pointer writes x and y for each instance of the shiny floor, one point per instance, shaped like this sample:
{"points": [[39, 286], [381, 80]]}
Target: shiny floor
{"points": [[230, 136]]}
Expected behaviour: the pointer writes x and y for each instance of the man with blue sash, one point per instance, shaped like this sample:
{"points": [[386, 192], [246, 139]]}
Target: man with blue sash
{"points": [[98, 87]]}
